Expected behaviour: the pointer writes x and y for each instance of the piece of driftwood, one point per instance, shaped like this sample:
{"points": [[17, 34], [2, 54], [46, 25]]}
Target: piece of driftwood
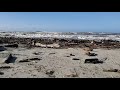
{"points": [[75, 59], [37, 53], [12, 45], [93, 60], [111, 70], [5, 67], [34, 59], [28, 60]]}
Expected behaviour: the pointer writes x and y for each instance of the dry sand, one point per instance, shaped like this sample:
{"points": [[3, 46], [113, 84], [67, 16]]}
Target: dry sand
{"points": [[54, 63]]}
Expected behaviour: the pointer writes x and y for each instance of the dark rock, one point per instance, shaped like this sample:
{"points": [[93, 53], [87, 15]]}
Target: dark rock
{"points": [[93, 60], [64, 43], [26, 60], [10, 59]]}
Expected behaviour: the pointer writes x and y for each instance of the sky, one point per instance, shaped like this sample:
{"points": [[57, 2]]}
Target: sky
{"points": [[60, 21]]}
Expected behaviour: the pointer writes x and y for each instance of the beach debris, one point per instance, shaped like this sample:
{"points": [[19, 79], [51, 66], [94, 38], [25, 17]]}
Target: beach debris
{"points": [[5, 67], [72, 55], [10, 59], [34, 59], [1, 73], [93, 60], [75, 59], [26, 60], [111, 70], [61, 43], [91, 54], [12, 45], [31, 59]]}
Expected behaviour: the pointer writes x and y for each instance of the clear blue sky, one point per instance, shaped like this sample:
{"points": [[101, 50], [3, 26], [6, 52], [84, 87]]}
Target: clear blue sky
{"points": [[61, 21]]}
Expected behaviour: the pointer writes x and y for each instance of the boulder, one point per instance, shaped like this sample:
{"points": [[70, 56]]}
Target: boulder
{"points": [[34, 59], [26, 60]]}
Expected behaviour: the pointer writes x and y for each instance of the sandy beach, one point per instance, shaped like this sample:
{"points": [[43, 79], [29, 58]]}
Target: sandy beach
{"points": [[59, 45], [59, 63]]}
